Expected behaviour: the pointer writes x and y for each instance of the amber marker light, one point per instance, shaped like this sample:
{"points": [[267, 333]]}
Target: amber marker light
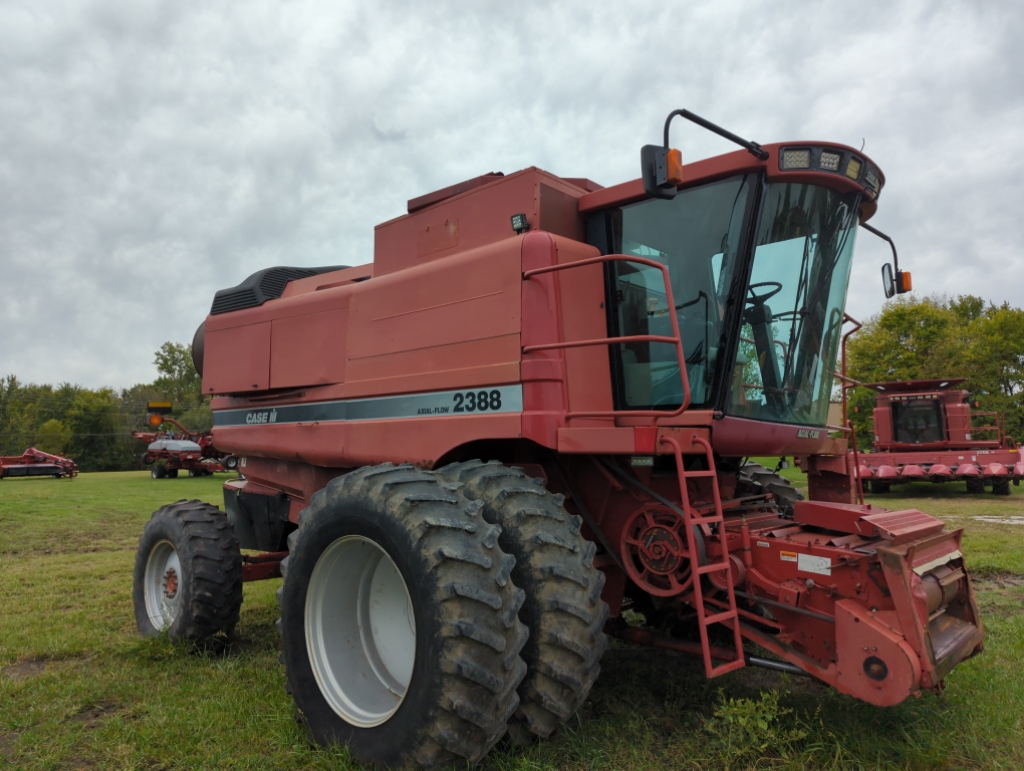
{"points": [[674, 166]]}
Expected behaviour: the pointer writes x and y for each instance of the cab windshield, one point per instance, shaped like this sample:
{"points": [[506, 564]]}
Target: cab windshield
{"points": [[793, 306], [787, 315]]}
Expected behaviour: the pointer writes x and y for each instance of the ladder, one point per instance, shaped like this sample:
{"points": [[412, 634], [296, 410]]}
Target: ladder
{"points": [[729, 618]]}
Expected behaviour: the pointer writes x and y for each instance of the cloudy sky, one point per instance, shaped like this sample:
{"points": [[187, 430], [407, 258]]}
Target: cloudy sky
{"points": [[153, 152]]}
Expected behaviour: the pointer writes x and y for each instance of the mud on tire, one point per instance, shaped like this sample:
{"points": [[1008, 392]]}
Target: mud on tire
{"points": [[563, 607], [462, 605], [188, 573]]}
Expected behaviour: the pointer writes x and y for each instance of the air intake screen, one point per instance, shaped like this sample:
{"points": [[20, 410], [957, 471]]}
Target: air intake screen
{"points": [[263, 285]]}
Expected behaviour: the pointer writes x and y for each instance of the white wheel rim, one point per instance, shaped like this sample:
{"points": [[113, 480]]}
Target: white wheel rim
{"points": [[163, 585], [360, 631]]}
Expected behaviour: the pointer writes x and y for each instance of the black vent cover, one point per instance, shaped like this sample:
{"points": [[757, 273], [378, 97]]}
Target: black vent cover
{"points": [[263, 285]]}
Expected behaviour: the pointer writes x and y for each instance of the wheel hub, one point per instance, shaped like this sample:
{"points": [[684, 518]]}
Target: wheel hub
{"points": [[360, 631], [163, 583], [170, 583]]}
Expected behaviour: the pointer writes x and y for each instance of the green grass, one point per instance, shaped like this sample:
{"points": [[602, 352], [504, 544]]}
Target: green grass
{"points": [[79, 689]]}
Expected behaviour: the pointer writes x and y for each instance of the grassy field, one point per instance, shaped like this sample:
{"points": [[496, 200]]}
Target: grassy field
{"points": [[79, 689]]}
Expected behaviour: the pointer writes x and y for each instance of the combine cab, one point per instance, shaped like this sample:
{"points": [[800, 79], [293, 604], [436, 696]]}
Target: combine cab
{"points": [[36, 463], [531, 411], [925, 431]]}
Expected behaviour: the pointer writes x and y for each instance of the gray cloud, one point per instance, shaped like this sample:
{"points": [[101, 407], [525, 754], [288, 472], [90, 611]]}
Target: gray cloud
{"points": [[151, 153]]}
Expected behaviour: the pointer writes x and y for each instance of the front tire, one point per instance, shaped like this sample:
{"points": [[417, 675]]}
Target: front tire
{"points": [[399, 620], [563, 608], [230, 462], [158, 471], [188, 573]]}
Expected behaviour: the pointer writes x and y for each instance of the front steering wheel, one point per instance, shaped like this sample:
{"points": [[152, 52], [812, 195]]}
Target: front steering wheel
{"points": [[757, 299]]}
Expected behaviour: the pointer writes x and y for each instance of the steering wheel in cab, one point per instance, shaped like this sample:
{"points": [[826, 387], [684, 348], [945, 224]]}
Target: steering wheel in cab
{"points": [[759, 299]]}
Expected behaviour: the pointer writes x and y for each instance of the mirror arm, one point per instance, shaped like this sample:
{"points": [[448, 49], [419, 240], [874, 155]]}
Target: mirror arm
{"points": [[752, 147], [884, 237]]}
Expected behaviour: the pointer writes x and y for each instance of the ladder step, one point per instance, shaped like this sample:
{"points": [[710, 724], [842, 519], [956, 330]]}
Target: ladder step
{"points": [[721, 669], [695, 474], [718, 618]]}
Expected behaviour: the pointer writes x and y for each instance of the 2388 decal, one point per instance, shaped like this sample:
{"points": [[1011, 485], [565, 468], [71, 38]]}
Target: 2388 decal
{"points": [[477, 401]]}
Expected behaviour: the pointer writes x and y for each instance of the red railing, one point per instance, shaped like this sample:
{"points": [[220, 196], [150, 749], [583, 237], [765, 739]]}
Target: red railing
{"points": [[676, 340]]}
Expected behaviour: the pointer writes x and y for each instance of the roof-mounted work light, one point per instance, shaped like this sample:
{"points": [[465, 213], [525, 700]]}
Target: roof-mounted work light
{"points": [[519, 223]]}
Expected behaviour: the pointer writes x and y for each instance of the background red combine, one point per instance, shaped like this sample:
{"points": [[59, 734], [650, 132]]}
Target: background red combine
{"points": [[925, 431], [532, 411], [36, 463], [170, 452]]}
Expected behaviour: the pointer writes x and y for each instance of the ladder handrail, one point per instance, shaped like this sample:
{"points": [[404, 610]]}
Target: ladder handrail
{"points": [[676, 339]]}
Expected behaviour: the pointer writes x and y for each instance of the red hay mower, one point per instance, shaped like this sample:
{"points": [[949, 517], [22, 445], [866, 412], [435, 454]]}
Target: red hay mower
{"points": [[533, 411], [36, 463], [925, 431]]}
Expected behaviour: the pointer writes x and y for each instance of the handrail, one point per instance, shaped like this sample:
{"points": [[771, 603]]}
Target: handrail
{"points": [[677, 339], [856, 325]]}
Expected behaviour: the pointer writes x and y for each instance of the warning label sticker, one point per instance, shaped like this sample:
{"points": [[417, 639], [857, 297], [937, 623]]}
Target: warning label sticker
{"points": [[787, 556], [763, 543], [808, 563]]}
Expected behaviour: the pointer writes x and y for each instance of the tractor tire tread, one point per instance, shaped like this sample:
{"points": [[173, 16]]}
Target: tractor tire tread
{"points": [[754, 478], [563, 608]]}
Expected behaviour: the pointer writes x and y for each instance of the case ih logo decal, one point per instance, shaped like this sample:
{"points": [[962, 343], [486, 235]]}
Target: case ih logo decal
{"points": [[423, 405], [807, 433], [261, 417]]}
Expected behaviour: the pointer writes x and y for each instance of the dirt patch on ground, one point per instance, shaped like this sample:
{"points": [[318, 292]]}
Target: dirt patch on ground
{"points": [[7, 745], [998, 581], [95, 714], [1010, 520], [24, 669]]}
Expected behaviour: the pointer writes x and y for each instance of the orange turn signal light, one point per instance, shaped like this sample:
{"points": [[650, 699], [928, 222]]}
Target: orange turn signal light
{"points": [[674, 165], [155, 420], [906, 284]]}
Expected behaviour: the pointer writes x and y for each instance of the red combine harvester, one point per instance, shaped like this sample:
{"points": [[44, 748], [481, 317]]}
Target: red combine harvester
{"points": [[925, 432], [168, 453], [531, 411], [36, 463]]}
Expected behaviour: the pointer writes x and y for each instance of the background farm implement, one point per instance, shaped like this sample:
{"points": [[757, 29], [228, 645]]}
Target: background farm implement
{"points": [[36, 463]]}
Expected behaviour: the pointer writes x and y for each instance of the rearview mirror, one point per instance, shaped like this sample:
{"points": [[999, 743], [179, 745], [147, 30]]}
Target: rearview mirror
{"points": [[888, 282]]}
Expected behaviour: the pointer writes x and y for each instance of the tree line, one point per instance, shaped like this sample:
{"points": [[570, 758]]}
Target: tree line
{"points": [[94, 426], [938, 337]]}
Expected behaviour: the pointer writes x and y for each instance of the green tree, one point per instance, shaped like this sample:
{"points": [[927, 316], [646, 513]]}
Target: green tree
{"points": [[198, 418], [97, 442], [179, 381], [52, 437]]}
